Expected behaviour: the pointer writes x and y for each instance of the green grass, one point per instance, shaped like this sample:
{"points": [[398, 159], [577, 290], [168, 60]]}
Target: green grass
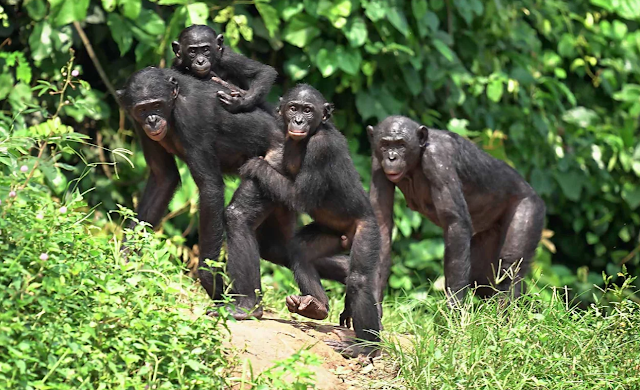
{"points": [[540, 341]]}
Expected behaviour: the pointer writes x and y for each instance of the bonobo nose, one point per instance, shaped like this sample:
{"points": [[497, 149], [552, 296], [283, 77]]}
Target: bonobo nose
{"points": [[392, 157], [200, 61], [298, 120], [153, 119]]}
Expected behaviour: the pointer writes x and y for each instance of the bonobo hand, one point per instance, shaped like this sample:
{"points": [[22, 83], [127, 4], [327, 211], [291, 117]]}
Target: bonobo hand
{"points": [[346, 319], [253, 167], [232, 102]]}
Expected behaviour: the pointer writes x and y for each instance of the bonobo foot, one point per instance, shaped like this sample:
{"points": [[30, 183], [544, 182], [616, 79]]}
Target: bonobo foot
{"points": [[240, 313], [307, 306], [351, 350]]}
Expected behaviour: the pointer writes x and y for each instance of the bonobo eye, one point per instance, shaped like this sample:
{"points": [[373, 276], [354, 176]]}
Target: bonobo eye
{"points": [[206, 51], [156, 105], [192, 52], [306, 110], [292, 108]]}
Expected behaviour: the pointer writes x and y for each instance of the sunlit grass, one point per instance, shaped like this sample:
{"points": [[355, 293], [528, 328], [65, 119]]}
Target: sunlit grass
{"points": [[539, 341]]}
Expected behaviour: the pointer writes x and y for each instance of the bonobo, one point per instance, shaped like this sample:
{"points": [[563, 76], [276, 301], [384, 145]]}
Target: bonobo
{"points": [[491, 217], [319, 178], [174, 117], [202, 53]]}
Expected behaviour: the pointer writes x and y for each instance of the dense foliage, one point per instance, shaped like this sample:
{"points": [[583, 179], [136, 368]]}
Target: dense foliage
{"points": [[552, 87]]}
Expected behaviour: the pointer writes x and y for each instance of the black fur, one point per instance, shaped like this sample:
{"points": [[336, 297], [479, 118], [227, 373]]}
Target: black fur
{"points": [[491, 217], [318, 177], [221, 61], [213, 141], [207, 137]]}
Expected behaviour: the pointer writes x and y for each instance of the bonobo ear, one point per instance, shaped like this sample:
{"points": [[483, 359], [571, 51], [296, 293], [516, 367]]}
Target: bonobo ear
{"points": [[220, 42], [423, 136], [327, 112], [176, 48], [120, 95], [370, 134], [176, 87]]}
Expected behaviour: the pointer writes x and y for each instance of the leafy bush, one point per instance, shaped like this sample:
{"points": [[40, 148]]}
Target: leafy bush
{"points": [[551, 87], [75, 314]]}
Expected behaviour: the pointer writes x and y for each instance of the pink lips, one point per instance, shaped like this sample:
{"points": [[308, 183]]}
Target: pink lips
{"points": [[394, 176]]}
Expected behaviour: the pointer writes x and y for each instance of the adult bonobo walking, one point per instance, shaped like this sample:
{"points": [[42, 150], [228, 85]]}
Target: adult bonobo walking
{"points": [[319, 178], [201, 53], [491, 217], [175, 117], [178, 115]]}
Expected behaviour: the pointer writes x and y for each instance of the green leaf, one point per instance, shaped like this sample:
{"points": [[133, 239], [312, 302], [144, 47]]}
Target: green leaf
{"points": [[300, 31], [349, 60], [397, 18], [606, 4], [172, 2], [629, 93], [64, 12], [412, 79], [376, 10], [6, 85], [570, 183], [464, 9], [419, 8], [580, 116], [130, 8], [150, 22], [356, 31], [443, 49], [326, 61], [197, 13], [37, 9], [40, 41], [297, 67], [631, 195], [120, 31], [270, 17], [495, 89], [109, 5]]}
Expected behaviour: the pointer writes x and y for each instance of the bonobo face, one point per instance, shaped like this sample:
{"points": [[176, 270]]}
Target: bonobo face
{"points": [[195, 49], [149, 97], [398, 143], [303, 111]]}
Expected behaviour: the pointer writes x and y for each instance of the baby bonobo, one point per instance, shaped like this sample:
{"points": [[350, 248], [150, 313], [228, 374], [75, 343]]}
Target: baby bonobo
{"points": [[201, 53], [320, 179], [491, 217]]}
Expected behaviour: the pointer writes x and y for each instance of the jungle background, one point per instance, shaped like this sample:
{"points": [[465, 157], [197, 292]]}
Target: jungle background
{"points": [[551, 87]]}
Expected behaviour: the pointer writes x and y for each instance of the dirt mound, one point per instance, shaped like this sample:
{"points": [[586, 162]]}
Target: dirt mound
{"points": [[260, 343]]}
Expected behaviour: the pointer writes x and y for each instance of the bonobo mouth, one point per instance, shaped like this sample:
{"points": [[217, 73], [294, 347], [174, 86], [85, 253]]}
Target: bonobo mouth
{"points": [[394, 176], [297, 134], [158, 133], [200, 70]]}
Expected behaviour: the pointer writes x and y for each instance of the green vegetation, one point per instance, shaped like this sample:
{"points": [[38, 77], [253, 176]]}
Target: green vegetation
{"points": [[552, 87]]}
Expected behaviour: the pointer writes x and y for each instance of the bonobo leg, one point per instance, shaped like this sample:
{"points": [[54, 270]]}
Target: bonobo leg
{"points": [[208, 178], [163, 180], [312, 242], [361, 298], [485, 247], [522, 228], [247, 210]]}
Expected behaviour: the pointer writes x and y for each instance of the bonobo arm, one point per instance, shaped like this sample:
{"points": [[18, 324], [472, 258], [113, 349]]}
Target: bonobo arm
{"points": [[277, 186], [163, 180], [451, 208], [381, 196], [205, 170], [258, 76]]}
